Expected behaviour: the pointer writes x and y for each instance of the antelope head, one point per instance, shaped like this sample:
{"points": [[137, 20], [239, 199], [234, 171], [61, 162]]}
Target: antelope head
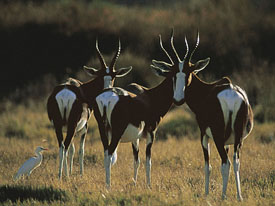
{"points": [[180, 71], [108, 73]]}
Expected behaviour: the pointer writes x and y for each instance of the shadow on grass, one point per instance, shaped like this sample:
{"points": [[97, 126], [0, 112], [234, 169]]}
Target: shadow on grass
{"points": [[22, 193]]}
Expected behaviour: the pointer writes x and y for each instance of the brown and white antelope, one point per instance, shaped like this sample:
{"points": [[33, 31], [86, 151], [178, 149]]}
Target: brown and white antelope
{"points": [[222, 111], [123, 116], [68, 108]]}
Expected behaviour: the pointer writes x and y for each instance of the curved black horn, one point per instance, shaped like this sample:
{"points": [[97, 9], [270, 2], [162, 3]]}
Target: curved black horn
{"points": [[101, 59], [187, 47], [172, 44], [197, 44], [160, 42], [112, 65]]}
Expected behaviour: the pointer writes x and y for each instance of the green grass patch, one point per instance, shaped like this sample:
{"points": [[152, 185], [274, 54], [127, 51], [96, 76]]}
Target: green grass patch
{"points": [[179, 127]]}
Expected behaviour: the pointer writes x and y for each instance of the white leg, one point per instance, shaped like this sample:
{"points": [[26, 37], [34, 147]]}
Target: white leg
{"points": [[207, 167], [114, 157], [149, 143], [107, 165], [148, 171], [71, 157], [225, 174], [61, 159], [236, 163], [81, 154], [65, 162], [136, 159], [136, 166], [207, 171]]}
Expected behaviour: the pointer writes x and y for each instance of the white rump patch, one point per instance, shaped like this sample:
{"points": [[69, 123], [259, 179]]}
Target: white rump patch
{"points": [[231, 101], [65, 99], [132, 133], [108, 100]]}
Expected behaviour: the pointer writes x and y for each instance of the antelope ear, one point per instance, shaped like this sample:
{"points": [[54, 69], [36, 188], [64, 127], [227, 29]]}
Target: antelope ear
{"points": [[200, 65], [161, 68], [123, 71], [90, 70]]}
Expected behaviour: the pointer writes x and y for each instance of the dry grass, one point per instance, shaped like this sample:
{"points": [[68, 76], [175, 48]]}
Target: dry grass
{"points": [[178, 166], [177, 172]]}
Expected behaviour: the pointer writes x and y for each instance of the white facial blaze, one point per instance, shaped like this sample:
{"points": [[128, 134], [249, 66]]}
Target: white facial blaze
{"points": [[107, 82], [179, 84]]}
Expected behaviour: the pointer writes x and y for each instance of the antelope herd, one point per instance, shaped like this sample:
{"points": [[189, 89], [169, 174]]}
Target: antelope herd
{"points": [[222, 111]]}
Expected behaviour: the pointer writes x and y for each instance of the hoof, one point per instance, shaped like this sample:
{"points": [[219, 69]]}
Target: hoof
{"points": [[239, 198]]}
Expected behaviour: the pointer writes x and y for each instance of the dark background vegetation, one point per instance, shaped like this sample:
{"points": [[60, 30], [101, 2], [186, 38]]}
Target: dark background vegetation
{"points": [[45, 41]]}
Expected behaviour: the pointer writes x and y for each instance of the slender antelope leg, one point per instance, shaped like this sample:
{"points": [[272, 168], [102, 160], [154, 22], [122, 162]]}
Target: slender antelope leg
{"points": [[71, 157], [81, 150], [207, 167], [149, 143], [236, 163], [66, 162], [135, 147], [107, 165], [61, 160], [108, 160], [59, 135]]}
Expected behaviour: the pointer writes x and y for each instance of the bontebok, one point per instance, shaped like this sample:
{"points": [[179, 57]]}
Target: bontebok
{"points": [[123, 116], [222, 111], [68, 106]]}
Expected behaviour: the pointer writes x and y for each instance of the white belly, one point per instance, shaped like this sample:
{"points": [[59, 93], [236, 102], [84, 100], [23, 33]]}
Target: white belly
{"points": [[231, 140], [132, 133], [209, 133]]}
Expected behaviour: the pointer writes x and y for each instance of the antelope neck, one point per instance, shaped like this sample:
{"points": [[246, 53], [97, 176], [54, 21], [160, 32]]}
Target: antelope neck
{"points": [[91, 89], [196, 93], [162, 96]]}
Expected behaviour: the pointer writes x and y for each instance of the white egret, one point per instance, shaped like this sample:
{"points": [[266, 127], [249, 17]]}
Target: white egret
{"points": [[30, 164]]}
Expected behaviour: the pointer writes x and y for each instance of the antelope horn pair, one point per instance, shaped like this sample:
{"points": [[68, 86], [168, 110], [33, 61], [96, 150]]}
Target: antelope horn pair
{"points": [[113, 62], [176, 56]]}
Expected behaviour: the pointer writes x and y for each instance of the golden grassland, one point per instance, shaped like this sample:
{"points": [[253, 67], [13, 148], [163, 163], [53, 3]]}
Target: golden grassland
{"points": [[177, 166], [177, 158]]}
